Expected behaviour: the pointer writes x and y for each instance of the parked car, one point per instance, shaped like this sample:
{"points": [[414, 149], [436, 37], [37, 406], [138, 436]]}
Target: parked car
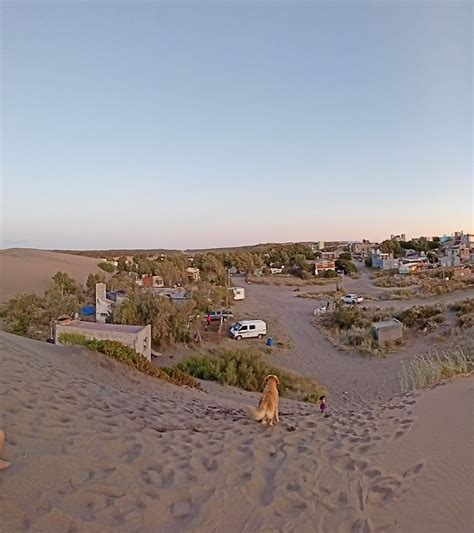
{"points": [[352, 299], [246, 329], [216, 315]]}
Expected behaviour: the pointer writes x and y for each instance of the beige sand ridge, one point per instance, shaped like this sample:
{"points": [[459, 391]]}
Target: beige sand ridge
{"points": [[95, 446]]}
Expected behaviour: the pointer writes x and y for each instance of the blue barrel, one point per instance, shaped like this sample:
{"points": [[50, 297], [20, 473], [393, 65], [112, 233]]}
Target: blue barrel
{"points": [[269, 341]]}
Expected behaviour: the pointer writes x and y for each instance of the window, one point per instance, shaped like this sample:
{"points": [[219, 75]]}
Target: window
{"points": [[243, 328], [251, 327]]}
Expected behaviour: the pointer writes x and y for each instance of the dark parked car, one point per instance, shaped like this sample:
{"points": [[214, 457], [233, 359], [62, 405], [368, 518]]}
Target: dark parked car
{"points": [[216, 315]]}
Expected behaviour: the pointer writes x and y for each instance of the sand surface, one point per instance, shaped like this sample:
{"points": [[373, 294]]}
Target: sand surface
{"points": [[96, 446], [28, 270]]}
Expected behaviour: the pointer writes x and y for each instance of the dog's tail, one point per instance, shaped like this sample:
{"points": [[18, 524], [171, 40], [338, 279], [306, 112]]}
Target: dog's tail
{"points": [[257, 413]]}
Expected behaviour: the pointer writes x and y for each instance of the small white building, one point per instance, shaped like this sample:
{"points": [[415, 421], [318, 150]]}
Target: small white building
{"points": [[193, 274], [105, 300], [137, 337]]}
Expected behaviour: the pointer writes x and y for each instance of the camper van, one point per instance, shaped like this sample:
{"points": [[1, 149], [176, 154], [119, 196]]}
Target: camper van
{"points": [[247, 329], [238, 293]]}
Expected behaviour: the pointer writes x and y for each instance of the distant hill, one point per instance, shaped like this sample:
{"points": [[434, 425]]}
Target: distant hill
{"points": [[29, 270], [156, 251]]}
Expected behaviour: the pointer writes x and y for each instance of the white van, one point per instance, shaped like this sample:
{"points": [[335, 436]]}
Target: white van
{"points": [[246, 329]]}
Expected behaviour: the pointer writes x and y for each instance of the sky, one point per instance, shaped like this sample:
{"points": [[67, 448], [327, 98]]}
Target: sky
{"points": [[205, 124]]}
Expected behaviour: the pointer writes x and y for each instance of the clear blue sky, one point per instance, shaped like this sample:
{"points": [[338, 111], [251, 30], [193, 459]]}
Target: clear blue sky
{"points": [[129, 124]]}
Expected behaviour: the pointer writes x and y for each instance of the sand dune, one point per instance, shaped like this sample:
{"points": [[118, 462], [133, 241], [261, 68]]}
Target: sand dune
{"points": [[29, 270], [96, 446]]}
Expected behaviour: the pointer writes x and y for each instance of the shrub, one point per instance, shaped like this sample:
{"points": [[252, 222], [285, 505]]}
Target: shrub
{"points": [[348, 266], [108, 267], [247, 370], [464, 306], [127, 355], [422, 316], [431, 369], [465, 313]]}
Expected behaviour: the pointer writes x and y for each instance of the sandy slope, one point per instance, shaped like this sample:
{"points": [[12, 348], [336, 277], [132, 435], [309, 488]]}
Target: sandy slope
{"points": [[28, 270], [96, 446]]}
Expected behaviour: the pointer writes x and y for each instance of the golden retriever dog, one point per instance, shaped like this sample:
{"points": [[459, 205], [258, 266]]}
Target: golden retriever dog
{"points": [[267, 410]]}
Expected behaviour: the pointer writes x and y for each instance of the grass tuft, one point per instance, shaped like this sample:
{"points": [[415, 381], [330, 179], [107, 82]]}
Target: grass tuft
{"points": [[428, 370]]}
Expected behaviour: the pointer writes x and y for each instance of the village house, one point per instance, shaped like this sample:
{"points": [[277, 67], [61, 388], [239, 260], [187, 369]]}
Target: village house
{"points": [[150, 282], [361, 248], [383, 260], [467, 241], [317, 247], [413, 263], [193, 274], [400, 238], [136, 337], [323, 266], [330, 256], [105, 300], [450, 258]]}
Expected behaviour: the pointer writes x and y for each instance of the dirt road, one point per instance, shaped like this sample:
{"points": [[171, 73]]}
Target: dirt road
{"points": [[349, 377]]}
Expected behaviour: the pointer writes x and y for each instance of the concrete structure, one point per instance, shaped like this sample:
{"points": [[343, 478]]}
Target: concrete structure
{"points": [[388, 330], [323, 266], [105, 300], [400, 238], [330, 256], [193, 273], [413, 264], [383, 260], [468, 241], [449, 260], [137, 337], [361, 248]]}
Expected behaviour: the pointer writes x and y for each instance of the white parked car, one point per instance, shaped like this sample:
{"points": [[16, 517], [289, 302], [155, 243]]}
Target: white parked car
{"points": [[246, 329], [352, 299]]}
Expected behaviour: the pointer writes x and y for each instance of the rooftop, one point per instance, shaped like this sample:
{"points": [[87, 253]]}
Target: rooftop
{"points": [[386, 323], [121, 328]]}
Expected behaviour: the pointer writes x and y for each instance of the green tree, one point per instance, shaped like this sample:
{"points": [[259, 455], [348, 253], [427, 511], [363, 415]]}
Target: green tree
{"points": [[347, 266], [92, 280]]}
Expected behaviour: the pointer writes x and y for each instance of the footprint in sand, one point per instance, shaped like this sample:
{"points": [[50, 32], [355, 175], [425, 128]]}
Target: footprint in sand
{"points": [[414, 470]]}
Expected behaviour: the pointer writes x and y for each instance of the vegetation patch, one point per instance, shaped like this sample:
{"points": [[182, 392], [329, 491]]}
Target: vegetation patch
{"points": [[351, 327], [247, 370], [432, 369], [422, 316], [465, 313], [130, 357], [107, 267]]}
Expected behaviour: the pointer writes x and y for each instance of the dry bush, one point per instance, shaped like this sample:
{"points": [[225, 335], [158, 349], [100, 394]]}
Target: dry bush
{"points": [[434, 368]]}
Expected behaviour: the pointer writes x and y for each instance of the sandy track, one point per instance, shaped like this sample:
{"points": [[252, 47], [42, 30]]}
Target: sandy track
{"points": [[96, 446], [363, 379]]}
